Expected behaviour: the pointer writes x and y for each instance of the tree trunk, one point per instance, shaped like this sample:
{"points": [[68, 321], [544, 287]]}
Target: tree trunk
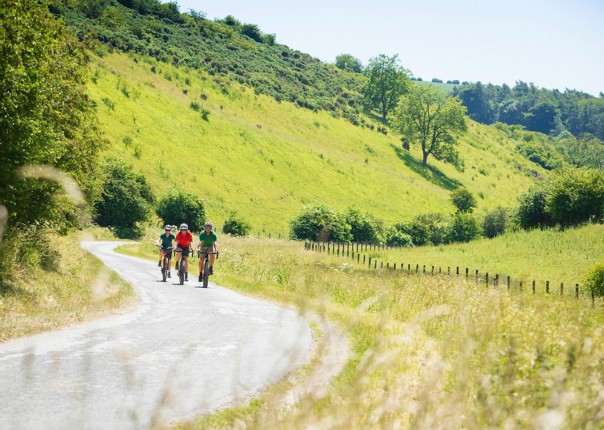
{"points": [[425, 158]]}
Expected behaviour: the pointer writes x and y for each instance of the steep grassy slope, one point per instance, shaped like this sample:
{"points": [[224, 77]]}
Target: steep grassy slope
{"points": [[264, 159]]}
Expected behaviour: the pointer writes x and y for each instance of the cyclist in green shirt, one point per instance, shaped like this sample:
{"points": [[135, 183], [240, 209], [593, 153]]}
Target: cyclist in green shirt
{"points": [[164, 242], [207, 243]]}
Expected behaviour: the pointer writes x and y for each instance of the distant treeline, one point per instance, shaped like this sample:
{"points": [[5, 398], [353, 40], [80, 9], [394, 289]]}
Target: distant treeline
{"points": [[537, 109]]}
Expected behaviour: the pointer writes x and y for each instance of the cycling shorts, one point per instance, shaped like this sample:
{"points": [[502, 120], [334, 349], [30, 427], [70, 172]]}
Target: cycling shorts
{"points": [[185, 251]]}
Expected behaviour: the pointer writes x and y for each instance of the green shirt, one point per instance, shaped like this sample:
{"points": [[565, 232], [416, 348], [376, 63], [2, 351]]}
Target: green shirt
{"points": [[166, 240], [207, 240]]}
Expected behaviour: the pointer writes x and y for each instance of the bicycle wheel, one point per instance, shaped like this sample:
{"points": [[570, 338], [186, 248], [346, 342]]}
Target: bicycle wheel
{"points": [[206, 272], [164, 270], [181, 273]]}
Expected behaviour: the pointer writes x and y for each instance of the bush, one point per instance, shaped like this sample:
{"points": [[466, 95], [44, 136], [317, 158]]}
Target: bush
{"points": [[575, 196], [320, 223], [364, 227], [594, 280], [176, 207], [395, 236], [463, 200], [427, 229], [495, 223], [464, 228], [126, 198], [531, 211], [235, 226]]}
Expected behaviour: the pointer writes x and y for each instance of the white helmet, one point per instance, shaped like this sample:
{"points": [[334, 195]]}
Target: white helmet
{"points": [[183, 226]]}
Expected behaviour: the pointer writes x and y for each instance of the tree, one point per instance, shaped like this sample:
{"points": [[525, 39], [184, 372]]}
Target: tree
{"points": [[349, 63], [387, 82], [464, 228], [463, 200], [494, 223], [176, 207], [235, 226], [126, 198], [46, 117], [320, 223], [429, 116]]}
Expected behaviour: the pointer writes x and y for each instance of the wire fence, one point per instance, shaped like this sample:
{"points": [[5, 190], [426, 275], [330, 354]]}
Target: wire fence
{"points": [[356, 253]]}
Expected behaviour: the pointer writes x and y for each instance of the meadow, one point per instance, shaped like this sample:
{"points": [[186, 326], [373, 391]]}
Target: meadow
{"points": [[265, 159], [427, 351]]}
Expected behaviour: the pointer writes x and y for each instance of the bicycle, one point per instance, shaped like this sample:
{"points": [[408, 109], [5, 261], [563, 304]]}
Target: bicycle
{"points": [[165, 267], [182, 267], [206, 266]]}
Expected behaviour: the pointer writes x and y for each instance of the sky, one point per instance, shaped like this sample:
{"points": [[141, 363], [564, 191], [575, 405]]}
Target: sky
{"points": [[554, 44]]}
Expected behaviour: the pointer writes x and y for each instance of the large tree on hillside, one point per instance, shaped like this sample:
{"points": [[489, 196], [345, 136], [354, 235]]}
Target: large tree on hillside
{"points": [[431, 117], [349, 63], [387, 82], [45, 115]]}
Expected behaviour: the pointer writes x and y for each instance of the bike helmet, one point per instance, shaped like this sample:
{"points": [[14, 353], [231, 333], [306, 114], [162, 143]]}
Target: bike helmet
{"points": [[183, 226], [167, 227], [208, 224]]}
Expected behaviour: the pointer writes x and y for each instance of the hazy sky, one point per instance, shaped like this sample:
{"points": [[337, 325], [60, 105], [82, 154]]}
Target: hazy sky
{"points": [[551, 43]]}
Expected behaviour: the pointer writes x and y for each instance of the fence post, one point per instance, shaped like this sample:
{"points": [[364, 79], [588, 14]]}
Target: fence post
{"points": [[375, 264], [547, 287], [370, 262], [457, 271], [359, 258], [487, 278], [467, 272], [432, 270], [448, 270], [424, 271], [561, 288], [508, 282], [417, 268], [387, 265], [533, 286], [593, 297], [576, 291], [394, 267], [521, 286]]}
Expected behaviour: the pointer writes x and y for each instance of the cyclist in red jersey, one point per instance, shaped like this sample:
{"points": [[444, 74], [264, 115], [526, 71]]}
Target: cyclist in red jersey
{"points": [[184, 239]]}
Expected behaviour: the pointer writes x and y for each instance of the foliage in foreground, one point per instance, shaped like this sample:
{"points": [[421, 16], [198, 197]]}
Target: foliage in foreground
{"points": [[46, 117]]}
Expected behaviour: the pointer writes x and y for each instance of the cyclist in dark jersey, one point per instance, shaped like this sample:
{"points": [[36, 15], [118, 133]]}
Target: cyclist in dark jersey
{"points": [[164, 242], [207, 243]]}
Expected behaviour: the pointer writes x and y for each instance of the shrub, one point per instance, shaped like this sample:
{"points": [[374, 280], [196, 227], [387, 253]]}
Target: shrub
{"points": [[235, 226], [395, 236], [364, 227], [320, 223], [426, 229], [176, 207], [464, 228], [594, 280], [463, 200], [126, 198], [575, 196], [531, 210], [494, 223]]}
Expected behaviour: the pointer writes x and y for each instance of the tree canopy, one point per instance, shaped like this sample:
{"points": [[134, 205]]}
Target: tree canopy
{"points": [[387, 82], [45, 115], [430, 117]]}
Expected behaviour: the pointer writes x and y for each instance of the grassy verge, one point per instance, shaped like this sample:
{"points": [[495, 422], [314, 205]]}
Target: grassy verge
{"points": [[72, 287], [428, 352]]}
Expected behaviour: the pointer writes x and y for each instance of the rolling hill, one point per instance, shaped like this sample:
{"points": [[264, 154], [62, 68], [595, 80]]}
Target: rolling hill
{"points": [[246, 152]]}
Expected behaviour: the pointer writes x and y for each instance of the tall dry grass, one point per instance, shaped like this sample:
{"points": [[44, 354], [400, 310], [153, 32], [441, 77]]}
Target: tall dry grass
{"points": [[47, 282], [427, 352]]}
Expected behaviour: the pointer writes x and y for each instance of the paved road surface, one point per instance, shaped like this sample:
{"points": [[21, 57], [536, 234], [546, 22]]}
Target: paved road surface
{"points": [[183, 351]]}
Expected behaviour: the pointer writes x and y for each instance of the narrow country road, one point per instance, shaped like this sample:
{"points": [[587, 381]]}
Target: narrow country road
{"points": [[182, 352]]}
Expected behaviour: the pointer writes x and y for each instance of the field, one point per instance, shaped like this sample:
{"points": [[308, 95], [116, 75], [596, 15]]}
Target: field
{"points": [[430, 352]]}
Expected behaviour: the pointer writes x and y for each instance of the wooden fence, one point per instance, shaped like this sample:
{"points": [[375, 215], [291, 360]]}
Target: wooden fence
{"points": [[354, 251]]}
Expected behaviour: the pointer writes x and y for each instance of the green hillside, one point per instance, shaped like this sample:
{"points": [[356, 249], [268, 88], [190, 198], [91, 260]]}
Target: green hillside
{"points": [[249, 153]]}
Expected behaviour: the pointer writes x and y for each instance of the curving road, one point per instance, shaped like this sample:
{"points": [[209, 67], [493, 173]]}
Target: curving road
{"points": [[182, 352]]}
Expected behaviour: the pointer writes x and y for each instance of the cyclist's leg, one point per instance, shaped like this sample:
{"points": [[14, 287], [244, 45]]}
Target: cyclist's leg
{"points": [[161, 255], [177, 257]]}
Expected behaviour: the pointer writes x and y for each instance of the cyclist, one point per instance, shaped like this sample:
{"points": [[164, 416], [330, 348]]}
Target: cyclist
{"points": [[207, 243], [164, 242], [184, 239]]}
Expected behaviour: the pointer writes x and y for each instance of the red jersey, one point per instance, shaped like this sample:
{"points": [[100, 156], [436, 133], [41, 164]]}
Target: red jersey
{"points": [[184, 240]]}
